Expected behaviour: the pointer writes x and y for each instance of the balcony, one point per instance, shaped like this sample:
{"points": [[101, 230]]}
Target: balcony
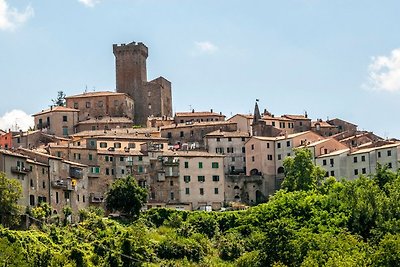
{"points": [[96, 198], [19, 170], [63, 184]]}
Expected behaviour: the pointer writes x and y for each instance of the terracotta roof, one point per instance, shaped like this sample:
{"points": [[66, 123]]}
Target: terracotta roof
{"points": [[94, 94], [268, 138], [191, 153], [335, 153], [296, 117], [228, 134], [322, 124], [11, 153], [56, 109], [116, 131], [107, 120], [198, 114], [120, 152], [196, 124], [275, 118], [329, 121]]}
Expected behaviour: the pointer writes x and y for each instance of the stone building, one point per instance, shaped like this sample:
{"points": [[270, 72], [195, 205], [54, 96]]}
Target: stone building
{"points": [[96, 105], [152, 98], [59, 121], [196, 116], [191, 135]]}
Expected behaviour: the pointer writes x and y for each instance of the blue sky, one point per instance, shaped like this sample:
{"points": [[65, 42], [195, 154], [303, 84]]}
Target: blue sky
{"points": [[329, 58]]}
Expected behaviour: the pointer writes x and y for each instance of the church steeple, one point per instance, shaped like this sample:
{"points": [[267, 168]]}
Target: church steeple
{"points": [[257, 115]]}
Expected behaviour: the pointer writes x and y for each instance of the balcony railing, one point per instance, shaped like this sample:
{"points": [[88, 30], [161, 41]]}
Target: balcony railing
{"points": [[19, 170], [63, 184]]}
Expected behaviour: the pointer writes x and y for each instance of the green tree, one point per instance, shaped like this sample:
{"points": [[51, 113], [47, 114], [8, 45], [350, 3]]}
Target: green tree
{"points": [[126, 196], [300, 171], [60, 100], [10, 193]]}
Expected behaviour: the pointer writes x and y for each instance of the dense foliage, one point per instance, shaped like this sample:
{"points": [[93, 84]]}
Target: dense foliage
{"points": [[10, 193], [327, 223]]}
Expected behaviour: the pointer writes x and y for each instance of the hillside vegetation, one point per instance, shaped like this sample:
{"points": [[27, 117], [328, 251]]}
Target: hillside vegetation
{"points": [[327, 223]]}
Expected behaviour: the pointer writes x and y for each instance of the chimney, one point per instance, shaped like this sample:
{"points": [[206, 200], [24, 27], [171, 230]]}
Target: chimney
{"points": [[192, 110], [211, 110]]}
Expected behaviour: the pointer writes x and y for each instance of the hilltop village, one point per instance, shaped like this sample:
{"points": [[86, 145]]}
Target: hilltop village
{"points": [[186, 160]]}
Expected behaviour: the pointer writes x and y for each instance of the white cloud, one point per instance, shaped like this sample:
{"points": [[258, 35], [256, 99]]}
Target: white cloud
{"points": [[384, 72], [10, 18], [206, 46], [89, 3], [16, 120]]}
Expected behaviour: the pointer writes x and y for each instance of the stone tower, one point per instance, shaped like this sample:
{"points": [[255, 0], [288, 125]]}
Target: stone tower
{"points": [[152, 98]]}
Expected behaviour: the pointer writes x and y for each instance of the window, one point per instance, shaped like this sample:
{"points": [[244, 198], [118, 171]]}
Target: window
{"points": [[44, 184], [186, 164], [267, 145], [215, 178], [288, 154], [389, 165], [140, 158], [140, 169], [201, 191], [252, 158], [187, 191], [31, 183], [95, 170], [331, 161], [324, 162], [88, 105], [106, 158], [186, 178], [233, 159], [215, 165], [216, 190], [103, 144], [363, 170], [65, 131], [107, 171], [273, 123], [356, 172], [252, 147], [32, 200], [288, 143], [59, 154], [131, 145], [200, 165], [112, 171], [279, 156], [243, 139], [379, 154], [218, 139], [355, 159], [269, 157], [362, 158], [389, 153], [65, 118], [182, 134], [243, 150], [229, 139], [278, 145], [169, 135], [201, 178], [83, 198], [171, 183], [117, 145], [172, 195], [76, 106], [100, 104], [332, 173], [219, 150], [121, 158], [57, 198]]}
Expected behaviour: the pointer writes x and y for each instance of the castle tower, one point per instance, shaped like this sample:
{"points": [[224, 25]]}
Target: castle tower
{"points": [[151, 98]]}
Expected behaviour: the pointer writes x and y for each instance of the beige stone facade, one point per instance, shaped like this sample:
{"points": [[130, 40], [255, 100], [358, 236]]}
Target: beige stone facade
{"points": [[96, 105], [59, 121], [196, 116]]}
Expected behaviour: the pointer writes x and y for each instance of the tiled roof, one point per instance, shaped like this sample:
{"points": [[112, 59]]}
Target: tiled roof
{"points": [[94, 94], [332, 120], [367, 150], [247, 116], [322, 124], [228, 134], [116, 131], [11, 153], [275, 118], [335, 153], [190, 153], [56, 109], [198, 114], [107, 120], [196, 124], [296, 117]]}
